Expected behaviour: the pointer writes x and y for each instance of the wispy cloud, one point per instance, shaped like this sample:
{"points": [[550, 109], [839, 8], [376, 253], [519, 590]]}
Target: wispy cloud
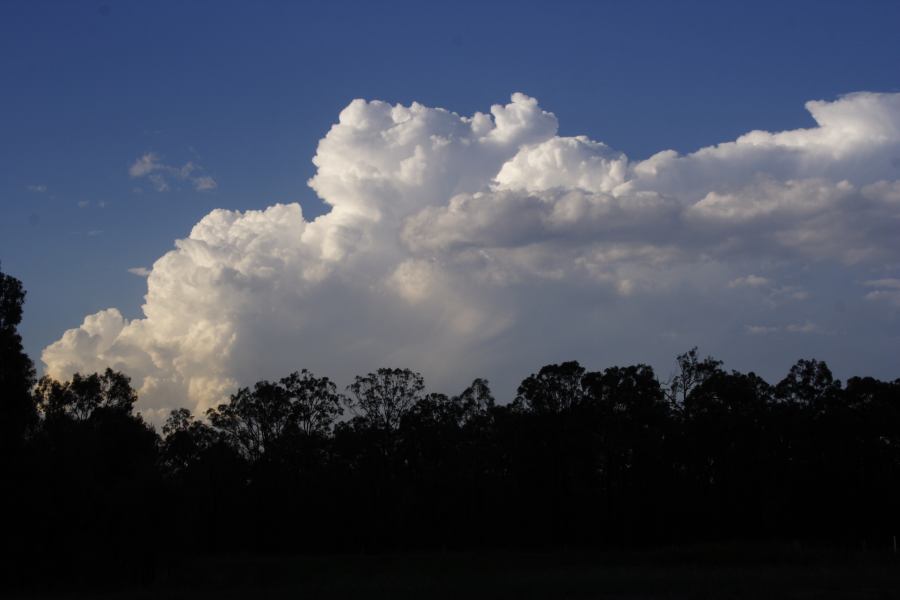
{"points": [[775, 293], [139, 271], [37, 188], [145, 165], [204, 183], [89, 204], [163, 176], [890, 283], [805, 327], [888, 292], [753, 281]]}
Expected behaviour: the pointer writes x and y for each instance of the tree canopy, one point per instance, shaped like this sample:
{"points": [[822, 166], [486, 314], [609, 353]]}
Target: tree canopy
{"points": [[599, 458]]}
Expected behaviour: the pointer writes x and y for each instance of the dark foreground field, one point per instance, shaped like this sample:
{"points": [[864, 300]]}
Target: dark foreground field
{"points": [[703, 572]]}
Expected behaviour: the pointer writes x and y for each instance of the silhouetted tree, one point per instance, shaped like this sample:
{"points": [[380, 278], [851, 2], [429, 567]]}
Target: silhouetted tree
{"points": [[185, 440], [94, 479], [382, 398], [253, 420], [809, 384], [726, 452], [691, 372], [588, 458], [476, 401], [81, 397], [627, 433], [315, 403], [17, 414], [256, 419], [554, 389], [19, 478]]}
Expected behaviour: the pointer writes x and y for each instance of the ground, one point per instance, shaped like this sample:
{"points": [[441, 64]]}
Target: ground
{"points": [[735, 572]]}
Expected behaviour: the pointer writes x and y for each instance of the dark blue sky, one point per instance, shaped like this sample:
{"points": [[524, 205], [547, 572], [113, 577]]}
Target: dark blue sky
{"points": [[247, 89]]}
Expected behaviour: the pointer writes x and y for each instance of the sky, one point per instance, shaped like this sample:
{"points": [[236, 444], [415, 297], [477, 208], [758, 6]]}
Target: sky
{"points": [[546, 229]]}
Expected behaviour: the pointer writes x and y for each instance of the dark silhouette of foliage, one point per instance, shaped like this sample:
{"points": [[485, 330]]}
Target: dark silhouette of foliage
{"points": [[17, 414], [476, 401], [185, 440], [809, 384], [254, 421], [315, 403], [382, 398], [691, 372], [554, 389], [580, 458], [83, 396]]}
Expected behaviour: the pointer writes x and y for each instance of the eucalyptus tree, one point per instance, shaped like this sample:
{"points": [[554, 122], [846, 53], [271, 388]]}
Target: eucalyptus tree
{"points": [[17, 413], [382, 398], [84, 395], [554, 389], [315, 402], [256, 419]]}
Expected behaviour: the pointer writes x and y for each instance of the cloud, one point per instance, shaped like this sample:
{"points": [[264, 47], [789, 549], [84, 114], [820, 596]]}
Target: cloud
{"points": [[890, 283], [37, 188], [774, 293], [889, 291], [204, 183], [805, 327], [465, 246], [889, 296], [87, 204], [753, 281], [162, 176], [145, 165], [140, 271]]}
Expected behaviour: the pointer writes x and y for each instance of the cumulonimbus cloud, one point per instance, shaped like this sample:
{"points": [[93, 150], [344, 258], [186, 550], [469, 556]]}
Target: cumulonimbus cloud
{"points": [[464, 246]]}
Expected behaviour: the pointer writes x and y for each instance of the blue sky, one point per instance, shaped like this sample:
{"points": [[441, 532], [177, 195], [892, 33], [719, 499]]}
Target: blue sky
{"points": [[246, 90]]}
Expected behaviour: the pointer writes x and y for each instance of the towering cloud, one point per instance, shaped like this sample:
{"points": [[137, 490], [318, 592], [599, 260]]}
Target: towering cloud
{"points": [[486, 245]]}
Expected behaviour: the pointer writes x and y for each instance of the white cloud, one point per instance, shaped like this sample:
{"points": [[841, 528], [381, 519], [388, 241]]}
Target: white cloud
{"points": [[888, 292], [805, 327], [890, 283], [488, 245], [753, 281], [204, 183], [140, 271], [889, 296], [162, 176], [159, 182], [146, 164]]}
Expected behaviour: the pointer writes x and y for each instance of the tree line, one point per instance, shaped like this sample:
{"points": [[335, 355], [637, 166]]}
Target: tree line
{"points": [[578, 459]]}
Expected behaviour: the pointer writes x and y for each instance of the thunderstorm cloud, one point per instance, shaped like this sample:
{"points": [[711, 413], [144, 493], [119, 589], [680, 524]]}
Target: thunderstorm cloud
{"points": [[487, 245]]}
